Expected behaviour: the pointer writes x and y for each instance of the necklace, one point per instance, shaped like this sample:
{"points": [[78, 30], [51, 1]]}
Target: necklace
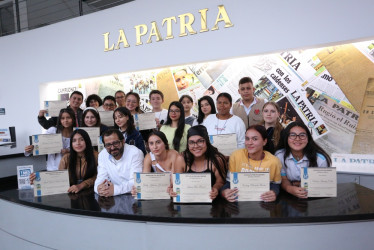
{"points": [[259, 166], [224, 126], [194, 164]]}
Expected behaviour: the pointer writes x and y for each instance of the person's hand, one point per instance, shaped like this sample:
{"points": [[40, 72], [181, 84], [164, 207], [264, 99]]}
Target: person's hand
{"points": [[158, 125], [76, 188], [298, 192], [42, 112], [65, 150], [230, 195], [269, 196], [213, 194], [29, 149], [133, 191], [32, 177], [106, 189], [171, 192]]}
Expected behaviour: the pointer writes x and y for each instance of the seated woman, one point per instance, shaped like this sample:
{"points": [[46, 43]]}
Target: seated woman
{"points": [[65, 123], [91, 118], [225, 123], [270, 120], [81, 162], [124, 121], [206, 107], [161, 158], [175, 129], [202, 157], [297, 150], [253, 158]]}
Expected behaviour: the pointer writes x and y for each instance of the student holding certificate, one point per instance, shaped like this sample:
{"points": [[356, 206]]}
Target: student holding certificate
{"points": [[81, 162], [253, 158], [187, 103], [65, 123], [202, 157], [297, 150], [175, 128], [225, 123], [270, 120], [206, 107], [124, 121], [91, 118], [156, 98]]}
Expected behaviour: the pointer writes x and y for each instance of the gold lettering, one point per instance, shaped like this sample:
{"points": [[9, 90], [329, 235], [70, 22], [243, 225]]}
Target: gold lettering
{"points": [[184, 25], [141, 30], [122, 39], [154, 32], [106, 43], [222, 16], [169, 28], [204, 25]]}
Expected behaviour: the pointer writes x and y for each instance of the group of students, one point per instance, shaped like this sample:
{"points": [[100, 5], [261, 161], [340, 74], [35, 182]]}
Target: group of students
{"points": [[181, 143]]}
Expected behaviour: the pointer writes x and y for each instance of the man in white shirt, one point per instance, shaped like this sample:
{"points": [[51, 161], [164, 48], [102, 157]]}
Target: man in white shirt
{"points": [[117, 165]]}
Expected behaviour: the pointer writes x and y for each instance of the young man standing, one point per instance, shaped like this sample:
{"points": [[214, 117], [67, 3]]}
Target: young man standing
{"points": [[75, 101], [156, 98], [117, 165], [249, 109]]}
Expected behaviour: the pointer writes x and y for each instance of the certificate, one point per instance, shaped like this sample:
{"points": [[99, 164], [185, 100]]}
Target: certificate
{"points": [[226, 144], [93, 133], [152, 186], [319, 182], [53, 107], [251, 185], [192, 187], [46, 144], [106, 118], [145, 121], [23, 174], [51, 182]]}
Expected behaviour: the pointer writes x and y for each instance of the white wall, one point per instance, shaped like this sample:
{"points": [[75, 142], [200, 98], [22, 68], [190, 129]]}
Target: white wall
{"points": [[74, 49]]}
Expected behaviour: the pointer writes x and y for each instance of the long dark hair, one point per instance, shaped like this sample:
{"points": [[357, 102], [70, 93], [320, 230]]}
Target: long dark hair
{"points": [[211, 155], [59, 125], [137, 109], [130, 122], [162, 136], [180, 129], [91, 169], [200, 117], [95, 113], [311, 149]]}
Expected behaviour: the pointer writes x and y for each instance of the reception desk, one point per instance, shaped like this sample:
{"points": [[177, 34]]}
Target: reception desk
{"points": [[86, 220]]}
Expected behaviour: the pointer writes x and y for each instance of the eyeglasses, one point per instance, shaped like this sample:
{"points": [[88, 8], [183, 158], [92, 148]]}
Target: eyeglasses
{"points": [[109, 105], [115, 144], [120, 97], [174, 111], [199, 143], [302, 136]]}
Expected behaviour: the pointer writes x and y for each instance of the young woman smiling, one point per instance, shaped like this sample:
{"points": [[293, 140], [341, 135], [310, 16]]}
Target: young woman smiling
{"points": [[81, 162], [297, 150], [270, 120], [91, 118], [124, 121], [175, 129], [206, 107], [65, 124], [202, 157], [133, 103], [225, 123], [253, 158]]}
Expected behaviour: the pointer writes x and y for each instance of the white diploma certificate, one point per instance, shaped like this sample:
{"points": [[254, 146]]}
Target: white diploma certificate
{"points": [[51, 182], [53, 107], [46, 144], [319, 182], [106, 118], [145, 121], [192, 187], [93, 133], [251, 185], [23, 174], [226, 144], [152, 186]]}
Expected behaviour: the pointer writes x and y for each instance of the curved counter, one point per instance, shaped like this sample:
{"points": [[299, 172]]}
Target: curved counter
{"points": [[123, 221]]}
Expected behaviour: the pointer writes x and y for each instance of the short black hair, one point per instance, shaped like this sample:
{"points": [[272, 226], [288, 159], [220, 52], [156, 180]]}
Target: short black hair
{"points": [[76, 92], [245, 79], [109, 97], [111, 131], [93, 97], [227, 95]]}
